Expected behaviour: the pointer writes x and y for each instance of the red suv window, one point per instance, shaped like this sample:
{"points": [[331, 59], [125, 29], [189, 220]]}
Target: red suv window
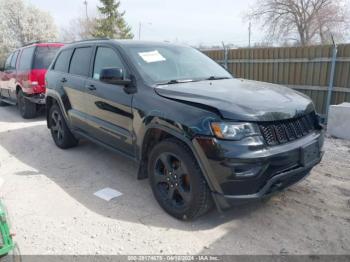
{"points": [[44, 55], [14, 60], [26, 59]]}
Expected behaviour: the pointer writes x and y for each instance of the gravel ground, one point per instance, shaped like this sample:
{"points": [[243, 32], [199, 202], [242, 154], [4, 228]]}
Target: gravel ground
{"points": [[49, 195]]}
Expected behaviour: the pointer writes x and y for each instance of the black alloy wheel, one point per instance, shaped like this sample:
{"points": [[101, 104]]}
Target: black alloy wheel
{"points": [[60, 132], [56, 126], [177, 181], [172, 180]]}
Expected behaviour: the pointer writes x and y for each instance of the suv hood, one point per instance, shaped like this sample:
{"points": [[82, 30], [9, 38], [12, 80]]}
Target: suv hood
{"points": [[241, 100]]}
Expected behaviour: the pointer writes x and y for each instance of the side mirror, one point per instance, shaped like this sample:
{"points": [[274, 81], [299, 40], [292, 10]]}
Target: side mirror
{"points": [[114, 76]]}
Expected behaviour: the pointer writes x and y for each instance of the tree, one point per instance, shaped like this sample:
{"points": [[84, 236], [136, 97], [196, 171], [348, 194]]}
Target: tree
{"points": [[304, 21], [112, 23], [79, 29], [21, 24], [38, 25]]}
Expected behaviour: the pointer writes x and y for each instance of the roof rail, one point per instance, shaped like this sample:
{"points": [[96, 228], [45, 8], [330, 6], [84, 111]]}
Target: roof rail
{"points": [[91, 39], [32, 43], [40, 42]]}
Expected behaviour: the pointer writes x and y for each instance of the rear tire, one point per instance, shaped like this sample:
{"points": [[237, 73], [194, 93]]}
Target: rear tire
{"points": [[26, 108], [60, 132], [2, 103], [177, 181]]}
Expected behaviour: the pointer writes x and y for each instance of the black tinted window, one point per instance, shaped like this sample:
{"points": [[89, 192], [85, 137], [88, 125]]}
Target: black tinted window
{"points": [[44, 55], [26, 59], [14, 60], [8, 62], [62, 62], [106, 58], [80, 62]]}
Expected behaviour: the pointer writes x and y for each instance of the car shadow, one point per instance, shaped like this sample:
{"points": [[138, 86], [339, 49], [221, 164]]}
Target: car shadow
{"points": [[10, 114], [83, 170]]}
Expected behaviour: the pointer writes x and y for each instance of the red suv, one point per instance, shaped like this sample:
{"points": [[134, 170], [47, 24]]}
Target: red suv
{"points": [[22, 78]]}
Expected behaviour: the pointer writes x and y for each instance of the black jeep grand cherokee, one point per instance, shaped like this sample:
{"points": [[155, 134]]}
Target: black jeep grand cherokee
{"points": [[198, 134]]}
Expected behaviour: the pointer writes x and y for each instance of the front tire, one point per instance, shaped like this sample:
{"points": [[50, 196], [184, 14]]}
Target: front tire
{"points": [[26, 108], [60, 132], [177, 181]]}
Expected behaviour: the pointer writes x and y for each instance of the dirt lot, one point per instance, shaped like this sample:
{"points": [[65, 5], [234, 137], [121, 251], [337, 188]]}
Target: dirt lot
{"points": [[49, 194]]}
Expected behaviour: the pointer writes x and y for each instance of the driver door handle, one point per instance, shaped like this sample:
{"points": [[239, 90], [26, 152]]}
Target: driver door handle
{"points": [[63, 80], [91, 87]]}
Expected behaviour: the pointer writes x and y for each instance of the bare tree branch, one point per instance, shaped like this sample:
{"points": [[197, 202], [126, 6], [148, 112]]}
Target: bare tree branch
{"points": [[309, 21]]}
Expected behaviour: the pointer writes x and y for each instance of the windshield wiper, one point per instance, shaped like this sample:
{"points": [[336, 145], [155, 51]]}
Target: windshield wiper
{"points": [[177, 81], [217, 78], [174, 81]]}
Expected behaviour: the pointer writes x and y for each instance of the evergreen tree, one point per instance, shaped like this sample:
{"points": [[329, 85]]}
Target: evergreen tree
{"points": [[112, 23]]}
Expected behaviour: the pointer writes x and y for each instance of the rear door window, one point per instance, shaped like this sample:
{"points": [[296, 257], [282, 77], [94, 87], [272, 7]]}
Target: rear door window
{"points": [[80, 63], [26, 59], [8, 62], [62, 62], [14, 60], [44, 55]]}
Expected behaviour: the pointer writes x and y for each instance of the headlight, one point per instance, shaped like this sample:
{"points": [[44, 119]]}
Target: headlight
{"points": [[233, 131]]}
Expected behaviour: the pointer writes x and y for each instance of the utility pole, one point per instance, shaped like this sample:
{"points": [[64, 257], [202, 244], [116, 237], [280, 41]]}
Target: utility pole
{"points": [[250, 33], [86, 9], [140, 25], [140, 28]]}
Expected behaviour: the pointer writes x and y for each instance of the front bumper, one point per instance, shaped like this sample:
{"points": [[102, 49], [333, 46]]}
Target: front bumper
{"points": [[242, 171]]}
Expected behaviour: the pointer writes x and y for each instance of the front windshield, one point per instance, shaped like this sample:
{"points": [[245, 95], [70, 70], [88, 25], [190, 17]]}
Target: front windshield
{"points": [[163, 64]]}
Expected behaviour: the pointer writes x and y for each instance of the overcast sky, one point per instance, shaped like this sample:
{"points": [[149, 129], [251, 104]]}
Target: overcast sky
{"points": [[189, 21]]}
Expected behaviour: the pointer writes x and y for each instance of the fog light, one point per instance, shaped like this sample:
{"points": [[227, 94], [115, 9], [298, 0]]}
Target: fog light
{"points": [[246, 170]]}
